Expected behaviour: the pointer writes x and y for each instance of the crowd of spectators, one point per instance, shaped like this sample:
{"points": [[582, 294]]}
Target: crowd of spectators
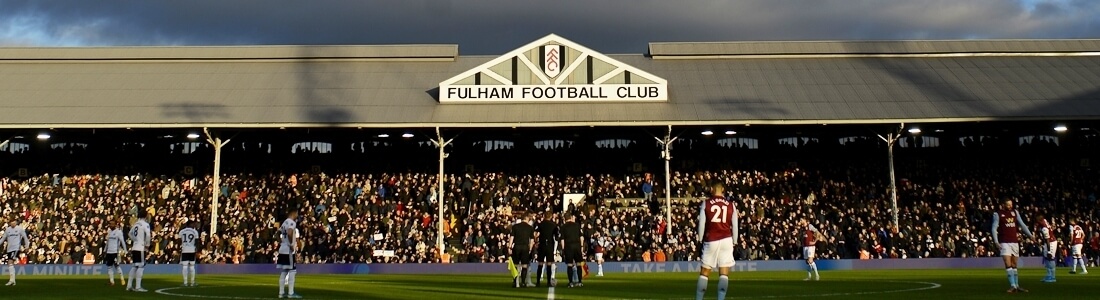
{"points": [[945, 210]]}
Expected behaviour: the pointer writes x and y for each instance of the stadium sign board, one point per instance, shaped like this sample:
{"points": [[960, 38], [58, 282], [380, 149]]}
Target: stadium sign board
{"points": [[553, 69]]}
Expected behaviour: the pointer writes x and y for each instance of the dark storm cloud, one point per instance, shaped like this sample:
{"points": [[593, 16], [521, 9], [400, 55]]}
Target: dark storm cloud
{"points": [[495, 26]]}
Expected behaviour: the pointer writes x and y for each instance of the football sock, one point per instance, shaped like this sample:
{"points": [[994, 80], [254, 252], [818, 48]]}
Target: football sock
{"points": [[1082, 261], [723, 284], [538, 277], [813, 267], [549, 273], [11, 273], [290, 281], [130, 282], [1014, 276], [1076, 261], [523, 279], [111, 274], [184, 271], [140, 272], [282, 281], [192, 267], [701, 287], [120, 276], [599, 268], [1009, 272], [570, 271]]}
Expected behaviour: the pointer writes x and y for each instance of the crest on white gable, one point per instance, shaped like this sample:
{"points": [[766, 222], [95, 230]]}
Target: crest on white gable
{"points": [[553, 69]]}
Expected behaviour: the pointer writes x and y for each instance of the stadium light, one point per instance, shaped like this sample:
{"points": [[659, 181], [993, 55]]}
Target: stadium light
{"points": [[914, 130], [708, 132], [407, 135], [383, 135], [43, 136], [1060, 128], [939, 130], [730, 132], [192, 135]]}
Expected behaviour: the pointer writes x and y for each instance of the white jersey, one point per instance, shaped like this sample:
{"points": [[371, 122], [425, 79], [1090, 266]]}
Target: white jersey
{"points": [[15, 236], [285, 241], [188, 237], [140, 235], [115, 241]]}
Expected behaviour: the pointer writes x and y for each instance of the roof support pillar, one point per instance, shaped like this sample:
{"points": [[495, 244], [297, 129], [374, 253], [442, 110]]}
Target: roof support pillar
{"points": [[215, 187], [891, 139], [440, 143], [666, 154]]}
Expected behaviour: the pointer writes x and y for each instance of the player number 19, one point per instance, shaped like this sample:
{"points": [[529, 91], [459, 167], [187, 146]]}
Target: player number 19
{"points": [[719, 213]]}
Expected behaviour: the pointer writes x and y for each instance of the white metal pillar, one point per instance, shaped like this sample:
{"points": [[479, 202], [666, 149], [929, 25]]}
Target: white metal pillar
{"points": [[4, 143], [217, 142], [891, 139], [666, 154], [441, 144]]}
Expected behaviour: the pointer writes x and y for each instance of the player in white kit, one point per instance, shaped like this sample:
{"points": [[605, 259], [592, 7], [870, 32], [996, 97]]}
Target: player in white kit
{"points": [[15, 237], [188, 238], [116, 241], [140, 236], [288, 246]]}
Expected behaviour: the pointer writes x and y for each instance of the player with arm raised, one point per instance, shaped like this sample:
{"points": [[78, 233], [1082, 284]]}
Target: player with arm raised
{"points": [[1049, 245], [809, 248], [521, 241], [116, 241], [188, 238], [15, 236], [288, 246], [1076, 244], [718, 231], [1007, 224], [140, 237]]}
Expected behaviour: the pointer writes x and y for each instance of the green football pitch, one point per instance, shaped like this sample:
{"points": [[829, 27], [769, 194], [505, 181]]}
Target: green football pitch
{"points": [[899, 284]]}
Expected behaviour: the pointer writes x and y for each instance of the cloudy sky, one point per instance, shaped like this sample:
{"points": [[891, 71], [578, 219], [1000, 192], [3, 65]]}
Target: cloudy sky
{"points": [[496, 26]]}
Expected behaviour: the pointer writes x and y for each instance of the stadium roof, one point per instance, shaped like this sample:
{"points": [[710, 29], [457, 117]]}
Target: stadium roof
{"points": [[397, 86]]}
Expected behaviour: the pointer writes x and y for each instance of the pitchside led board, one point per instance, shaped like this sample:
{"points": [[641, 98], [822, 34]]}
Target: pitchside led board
{"points": [[553, 69]]}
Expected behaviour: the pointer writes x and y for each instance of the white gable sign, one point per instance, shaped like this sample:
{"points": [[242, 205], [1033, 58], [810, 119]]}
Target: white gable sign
{"points": [[553, 69]]}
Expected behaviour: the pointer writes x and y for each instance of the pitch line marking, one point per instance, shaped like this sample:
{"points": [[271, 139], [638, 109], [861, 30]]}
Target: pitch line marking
{"points": [[930, 286], [165, 291]]}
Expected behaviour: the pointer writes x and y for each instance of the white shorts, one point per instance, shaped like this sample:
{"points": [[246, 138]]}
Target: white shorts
{"points": [[718, 254], [1010, 249], [599, 257], [1050, 249], [1075, 250], [809, 252]]}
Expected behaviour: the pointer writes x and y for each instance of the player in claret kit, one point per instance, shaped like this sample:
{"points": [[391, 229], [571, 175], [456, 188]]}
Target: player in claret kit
{"points": [[718, 231], [1076, 244], [1007, 224], [1049, 246], [809, 248]]}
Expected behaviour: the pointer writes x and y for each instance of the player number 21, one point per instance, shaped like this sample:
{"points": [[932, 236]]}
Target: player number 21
{"points": [[720, 213]]}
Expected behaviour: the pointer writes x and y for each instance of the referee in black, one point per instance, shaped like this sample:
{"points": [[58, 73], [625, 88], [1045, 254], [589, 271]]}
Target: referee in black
{"points": [[548, 243], [572, 243], [522, 240]]}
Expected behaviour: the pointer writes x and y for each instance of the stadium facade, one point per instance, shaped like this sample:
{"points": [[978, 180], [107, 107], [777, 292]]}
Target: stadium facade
{"points": [[411, 86]]}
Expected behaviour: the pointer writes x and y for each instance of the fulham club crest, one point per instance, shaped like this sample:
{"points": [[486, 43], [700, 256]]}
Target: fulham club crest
{"points": [[552, 60]]}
